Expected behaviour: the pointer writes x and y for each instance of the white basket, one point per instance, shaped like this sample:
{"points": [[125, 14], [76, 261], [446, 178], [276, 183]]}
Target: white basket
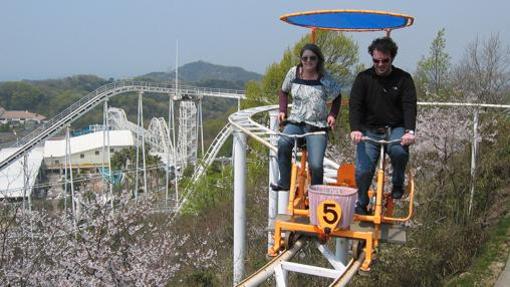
{"points": [[344, 196]]}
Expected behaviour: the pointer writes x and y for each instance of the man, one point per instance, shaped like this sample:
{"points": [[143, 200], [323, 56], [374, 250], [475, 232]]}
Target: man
{"points": [[382, 105]]}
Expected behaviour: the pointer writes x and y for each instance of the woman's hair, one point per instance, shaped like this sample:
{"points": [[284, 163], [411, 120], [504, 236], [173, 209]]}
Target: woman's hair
{"points": [[317, 51], [385, 45]]}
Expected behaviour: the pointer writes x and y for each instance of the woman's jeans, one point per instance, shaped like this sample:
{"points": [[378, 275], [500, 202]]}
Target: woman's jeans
{"points": [[367, 155], [315, 145]]}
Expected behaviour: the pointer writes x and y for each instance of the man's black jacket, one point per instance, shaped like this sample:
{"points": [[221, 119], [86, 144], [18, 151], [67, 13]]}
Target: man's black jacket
{"points": [[379, 101]]}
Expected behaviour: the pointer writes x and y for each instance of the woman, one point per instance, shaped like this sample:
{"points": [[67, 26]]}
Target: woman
{"points": [[311, 88]]}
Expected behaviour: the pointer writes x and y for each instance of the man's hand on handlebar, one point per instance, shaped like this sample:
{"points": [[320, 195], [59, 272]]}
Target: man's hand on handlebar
{"points": [[356, 136], [408, 139]]}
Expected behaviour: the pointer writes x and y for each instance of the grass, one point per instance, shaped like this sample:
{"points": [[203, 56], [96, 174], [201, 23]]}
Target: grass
{"points": [[486, 267]]}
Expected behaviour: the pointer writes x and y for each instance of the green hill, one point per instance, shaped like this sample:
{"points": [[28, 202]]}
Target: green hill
{"points": [[205, 74]]}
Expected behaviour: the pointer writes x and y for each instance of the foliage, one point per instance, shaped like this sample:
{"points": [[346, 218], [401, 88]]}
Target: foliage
{"points": [[107, 249], [483, 75], [432, 72], [120, 159], [490, 262], [20, 96], [5, 128], [341, 57], [211, 190]]}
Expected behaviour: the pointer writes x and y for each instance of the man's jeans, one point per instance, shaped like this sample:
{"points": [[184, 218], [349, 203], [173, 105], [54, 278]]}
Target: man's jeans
{"points": [[366, 160], [315, 145]]}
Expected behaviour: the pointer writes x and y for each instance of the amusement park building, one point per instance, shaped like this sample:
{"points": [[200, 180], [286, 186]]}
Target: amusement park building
{"points": [[19, 117], [86, 150]]}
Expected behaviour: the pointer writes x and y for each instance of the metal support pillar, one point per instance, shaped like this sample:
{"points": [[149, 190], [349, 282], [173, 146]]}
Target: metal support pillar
{"points": [[474, 151], [280, 275], [201, 123], [25, 181], [341, 249], [140, 115], [142, 141], [273, 177], [174, 142], [108, 152], [283, 201], [283, 195], [69, 154], [167, 178], [27, 188], [137, 164], [239, 153]]}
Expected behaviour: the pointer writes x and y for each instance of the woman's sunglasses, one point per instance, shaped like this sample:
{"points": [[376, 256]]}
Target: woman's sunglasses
{"points": [[309, 58]]}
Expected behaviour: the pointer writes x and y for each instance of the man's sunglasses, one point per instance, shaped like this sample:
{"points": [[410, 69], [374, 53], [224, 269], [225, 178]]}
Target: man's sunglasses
{"points": [[309, 58], [381, 61]]}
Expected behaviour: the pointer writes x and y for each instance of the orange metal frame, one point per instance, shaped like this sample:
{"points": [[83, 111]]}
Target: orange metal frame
{"points": [[298, 206]]}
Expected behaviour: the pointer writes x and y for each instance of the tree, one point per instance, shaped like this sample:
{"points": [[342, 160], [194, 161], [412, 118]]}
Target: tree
{"points": [[131, 247], [341, 59], [483, 76], [432, 73], [20, 96]]}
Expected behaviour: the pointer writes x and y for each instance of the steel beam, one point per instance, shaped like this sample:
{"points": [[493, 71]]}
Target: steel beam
{"points": [[239, 152]]}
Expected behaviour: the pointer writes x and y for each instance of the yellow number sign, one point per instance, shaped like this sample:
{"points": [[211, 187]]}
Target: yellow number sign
{"points": [[328, 214]]}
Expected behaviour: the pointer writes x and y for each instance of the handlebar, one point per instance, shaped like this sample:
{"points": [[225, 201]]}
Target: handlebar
{"points": [[365, 138], [299, 136]]}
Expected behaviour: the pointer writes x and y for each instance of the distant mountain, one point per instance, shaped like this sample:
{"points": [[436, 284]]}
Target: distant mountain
{"points": [[201, 73]]}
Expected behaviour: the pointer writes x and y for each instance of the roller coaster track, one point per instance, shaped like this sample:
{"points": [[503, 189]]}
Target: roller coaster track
{"points": [[156, 135], [103, 93], [249, 122], [268, 270], [212, 152], [245, 122], [261, 275]]}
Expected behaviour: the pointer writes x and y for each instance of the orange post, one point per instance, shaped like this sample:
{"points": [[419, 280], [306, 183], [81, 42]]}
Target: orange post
{"points": [[314, 35]]}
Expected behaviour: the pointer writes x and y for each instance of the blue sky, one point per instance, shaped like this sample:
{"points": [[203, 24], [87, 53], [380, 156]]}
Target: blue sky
{"points": [[124, 38]]}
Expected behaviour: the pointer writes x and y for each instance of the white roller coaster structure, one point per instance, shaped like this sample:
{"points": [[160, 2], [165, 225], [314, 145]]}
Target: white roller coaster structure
{"points": [[102, 94]]}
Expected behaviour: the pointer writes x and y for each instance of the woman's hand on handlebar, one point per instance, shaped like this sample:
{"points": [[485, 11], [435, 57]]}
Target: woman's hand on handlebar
{"points": [[282, 117], [356, 136]]}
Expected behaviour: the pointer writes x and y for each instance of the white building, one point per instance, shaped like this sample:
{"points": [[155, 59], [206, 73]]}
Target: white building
{"points": [[18, 179], [86, 150]]}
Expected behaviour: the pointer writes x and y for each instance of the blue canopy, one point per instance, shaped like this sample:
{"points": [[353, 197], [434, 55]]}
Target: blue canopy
{"points": [[349, 20]]}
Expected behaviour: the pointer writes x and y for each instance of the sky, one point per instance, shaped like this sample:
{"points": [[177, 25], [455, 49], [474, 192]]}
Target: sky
{"points": [[126, 38]]}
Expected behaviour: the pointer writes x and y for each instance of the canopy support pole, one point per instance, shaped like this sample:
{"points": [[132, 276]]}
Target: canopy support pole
{"points": [[313, 36]]}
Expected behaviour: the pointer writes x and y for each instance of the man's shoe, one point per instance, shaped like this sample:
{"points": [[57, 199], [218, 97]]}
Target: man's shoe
{"points": [[360, 210], [397, 192]]}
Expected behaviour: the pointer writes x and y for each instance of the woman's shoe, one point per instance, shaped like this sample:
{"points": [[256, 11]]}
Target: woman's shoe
{"points": [[276, 187]]}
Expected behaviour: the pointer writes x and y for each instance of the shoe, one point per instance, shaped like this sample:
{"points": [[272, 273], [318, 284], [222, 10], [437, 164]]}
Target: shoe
{"points": [[276, 187], [397, 192], [360, 210]]}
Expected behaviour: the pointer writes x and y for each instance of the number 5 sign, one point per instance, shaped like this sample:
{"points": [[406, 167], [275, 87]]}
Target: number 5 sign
{"points": [[328, 214]]}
